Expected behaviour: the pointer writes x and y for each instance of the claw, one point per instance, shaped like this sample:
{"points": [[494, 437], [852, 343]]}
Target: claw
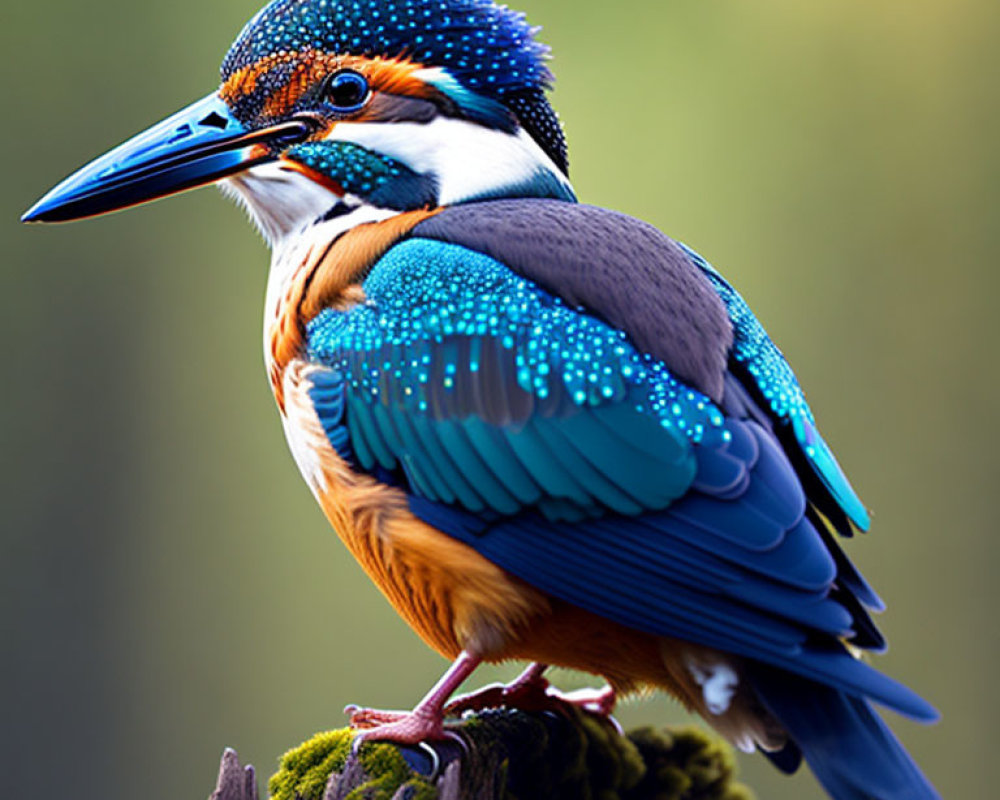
{"points": [[435, 760]]}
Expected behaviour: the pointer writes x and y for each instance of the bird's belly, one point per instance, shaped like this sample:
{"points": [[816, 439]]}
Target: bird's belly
{"points": [[450, 595]]}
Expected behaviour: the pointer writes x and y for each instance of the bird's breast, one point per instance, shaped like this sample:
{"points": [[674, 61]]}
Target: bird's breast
{"points": [[322, 267]]}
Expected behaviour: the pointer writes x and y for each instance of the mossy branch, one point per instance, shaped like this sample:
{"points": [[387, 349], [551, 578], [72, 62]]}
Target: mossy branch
{"points": [[507, 754]]}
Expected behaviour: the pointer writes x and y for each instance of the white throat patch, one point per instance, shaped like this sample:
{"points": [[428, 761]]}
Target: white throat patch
{"points": [[289, 209], [280, 201]]}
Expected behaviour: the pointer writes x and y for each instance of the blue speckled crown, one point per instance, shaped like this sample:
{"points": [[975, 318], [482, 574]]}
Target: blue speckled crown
{"points": [[488, 48]]}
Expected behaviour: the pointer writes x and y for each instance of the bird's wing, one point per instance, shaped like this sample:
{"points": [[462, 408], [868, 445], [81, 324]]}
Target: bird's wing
{"points": [[631, 275], [548, 441]]}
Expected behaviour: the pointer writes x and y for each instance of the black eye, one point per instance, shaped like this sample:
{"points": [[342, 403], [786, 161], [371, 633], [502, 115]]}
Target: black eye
{"points": [[346, 90]]}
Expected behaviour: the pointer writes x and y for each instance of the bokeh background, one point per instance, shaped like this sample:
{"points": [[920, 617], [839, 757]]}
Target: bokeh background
{"points": [[169, 587]]}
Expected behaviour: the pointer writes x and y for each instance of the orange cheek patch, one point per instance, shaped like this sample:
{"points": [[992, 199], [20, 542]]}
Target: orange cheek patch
{"points": [[388, 75], [259, 151]]}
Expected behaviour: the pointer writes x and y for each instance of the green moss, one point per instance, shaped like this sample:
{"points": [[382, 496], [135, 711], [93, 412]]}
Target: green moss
{"points": [[685, 764], [304, 771], [389, 772], [579, 757], [383, 759], [613, 763]]}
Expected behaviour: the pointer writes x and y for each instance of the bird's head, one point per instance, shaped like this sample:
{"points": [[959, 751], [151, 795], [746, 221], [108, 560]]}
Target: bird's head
{"points": [[327, 106]]}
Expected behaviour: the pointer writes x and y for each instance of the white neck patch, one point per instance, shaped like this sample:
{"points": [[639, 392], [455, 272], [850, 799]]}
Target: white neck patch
{"points": [[468, 161]]}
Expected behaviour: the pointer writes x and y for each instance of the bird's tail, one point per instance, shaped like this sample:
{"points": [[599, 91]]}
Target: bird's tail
{"points": [[850, 749]]}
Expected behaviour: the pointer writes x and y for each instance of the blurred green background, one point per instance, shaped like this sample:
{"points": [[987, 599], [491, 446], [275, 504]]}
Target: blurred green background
{"points": [[168, 585]]}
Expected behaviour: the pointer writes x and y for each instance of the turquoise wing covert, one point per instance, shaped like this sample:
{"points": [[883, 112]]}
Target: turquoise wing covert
{"points": [[492, 394]]}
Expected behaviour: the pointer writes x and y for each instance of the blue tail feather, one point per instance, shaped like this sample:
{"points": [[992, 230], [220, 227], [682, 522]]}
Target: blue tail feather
{"points": [[849, 748]]}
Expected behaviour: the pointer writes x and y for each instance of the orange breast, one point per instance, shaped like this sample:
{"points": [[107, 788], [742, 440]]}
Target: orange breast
{"points": [[452, 597]]}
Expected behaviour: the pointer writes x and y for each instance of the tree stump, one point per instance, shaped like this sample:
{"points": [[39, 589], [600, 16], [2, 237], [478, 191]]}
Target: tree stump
{"points": [[504, 755]]}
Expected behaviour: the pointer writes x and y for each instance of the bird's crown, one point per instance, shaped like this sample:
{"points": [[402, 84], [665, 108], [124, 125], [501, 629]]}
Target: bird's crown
{"points": [[487, 48], [481, 56]]}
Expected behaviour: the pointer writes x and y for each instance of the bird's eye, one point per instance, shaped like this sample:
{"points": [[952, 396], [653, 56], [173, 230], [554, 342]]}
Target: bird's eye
{"points": [[346, 90]]}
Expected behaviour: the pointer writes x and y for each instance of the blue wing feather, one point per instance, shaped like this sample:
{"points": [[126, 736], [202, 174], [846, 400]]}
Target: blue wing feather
{"points": [[327, 396], [615, 568], [496, 451]]}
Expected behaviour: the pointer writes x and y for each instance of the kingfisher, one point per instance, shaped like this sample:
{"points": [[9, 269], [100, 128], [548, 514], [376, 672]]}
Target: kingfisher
{"points": [[547, 431]]}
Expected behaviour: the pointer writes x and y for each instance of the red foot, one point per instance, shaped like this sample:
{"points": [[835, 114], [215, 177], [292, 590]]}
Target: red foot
{"points": [[401, 727], [529, 692], [365, 718], [425, 722]]}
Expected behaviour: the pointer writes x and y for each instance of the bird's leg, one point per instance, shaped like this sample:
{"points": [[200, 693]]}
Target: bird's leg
{"points": [[530, 691], [527, 692], [425, 722]]}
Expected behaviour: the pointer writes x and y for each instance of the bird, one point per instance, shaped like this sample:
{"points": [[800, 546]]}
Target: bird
{"points": [[547, 431]]}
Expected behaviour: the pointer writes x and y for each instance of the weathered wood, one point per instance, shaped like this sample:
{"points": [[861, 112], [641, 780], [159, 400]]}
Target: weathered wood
{"points": [[234, 782], [502, 754]]}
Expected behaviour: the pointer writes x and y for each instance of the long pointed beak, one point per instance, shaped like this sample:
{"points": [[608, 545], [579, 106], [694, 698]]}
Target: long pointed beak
{"points": [[199, 145]]}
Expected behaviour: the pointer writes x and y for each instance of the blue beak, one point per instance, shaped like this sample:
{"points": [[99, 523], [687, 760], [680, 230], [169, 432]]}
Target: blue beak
{"points": [[199, 145]]}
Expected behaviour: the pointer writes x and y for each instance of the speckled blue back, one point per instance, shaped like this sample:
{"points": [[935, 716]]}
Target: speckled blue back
{"points": [[753, 347]]}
